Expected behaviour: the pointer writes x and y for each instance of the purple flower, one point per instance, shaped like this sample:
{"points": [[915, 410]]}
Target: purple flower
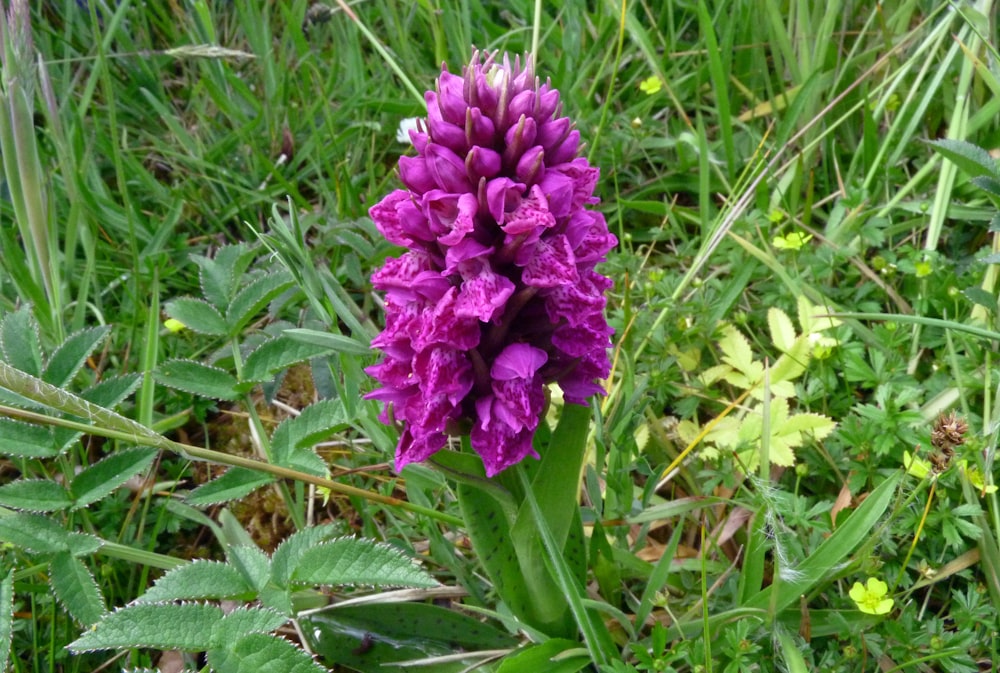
{"points": [[496, 296]]}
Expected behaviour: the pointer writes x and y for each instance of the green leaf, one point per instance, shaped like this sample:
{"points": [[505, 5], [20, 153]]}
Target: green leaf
{"points": [[249, 301], [111, 391], [353, 561], [199, 580], [972, 159], [333, 342], [252, 564], [990, 185], [98, 480], [262, 653], [74, 586], [20, 343], [543, 657], [289, 553], [782, 330], [41, 534], [236, 483], [27, 441], [371, 637], [277, 355], [246, 620], [70, 356], [200, 379], [220, 276], [828, 556], [35, 495], [6, 617], [294, 438], [161, 626], [198, 316]]}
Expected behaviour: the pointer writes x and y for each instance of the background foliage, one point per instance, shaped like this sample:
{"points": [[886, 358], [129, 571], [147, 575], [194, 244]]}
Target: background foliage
{"points": [[185, 259]]}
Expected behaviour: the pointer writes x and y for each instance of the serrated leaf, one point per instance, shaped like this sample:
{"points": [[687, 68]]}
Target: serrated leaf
{"points": [[19, 341], [782, 330], [334, 342], [35, 495], [200, 379], [6, 617], [199, 580], [262, 653], [813, 318], [252, 564], [286, 557], [220, 275], [244, 621], [354, 561], [198, 316], [74, 586], [294, 438], [236, 483], [818, 425], [110, 392], [161, 626], [277, 355], [736, 352], [250, 300], [972, 159], [990, 185], [66, 361], [978, 295], [791, 364], [36, 533], [98, 480]]}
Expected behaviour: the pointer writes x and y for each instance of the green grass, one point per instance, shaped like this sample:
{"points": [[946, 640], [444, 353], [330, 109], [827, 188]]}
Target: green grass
{"points": [[165, 131]]}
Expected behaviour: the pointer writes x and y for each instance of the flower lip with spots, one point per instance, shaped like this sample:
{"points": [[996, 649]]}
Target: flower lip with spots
{"points": [[496, 295]]}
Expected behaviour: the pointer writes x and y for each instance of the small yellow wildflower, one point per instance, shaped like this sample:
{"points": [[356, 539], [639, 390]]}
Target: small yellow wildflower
{"points": [[870, 597], [923, 269], [174, 325], [976, 478], [792, 241], [918, 467], [651, 85]]}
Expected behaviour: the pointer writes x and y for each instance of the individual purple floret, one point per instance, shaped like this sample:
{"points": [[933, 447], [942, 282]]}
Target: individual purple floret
{"points": [[496, 296]]}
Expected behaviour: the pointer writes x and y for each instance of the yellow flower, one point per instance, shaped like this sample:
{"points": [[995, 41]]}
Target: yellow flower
{"points": [[870, 598], [918, 467], [174, 325], [651, 85], [976, 478], [793, 241], [923, 269]]}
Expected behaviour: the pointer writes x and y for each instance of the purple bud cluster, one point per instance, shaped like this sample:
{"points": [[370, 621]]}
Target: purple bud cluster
{"points": [[497, 295]]}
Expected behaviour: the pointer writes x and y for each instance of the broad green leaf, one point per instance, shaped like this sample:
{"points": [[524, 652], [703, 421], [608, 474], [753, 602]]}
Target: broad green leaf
{"points": [[250, 300], [790, 365], [20, 343], [782, 330], [334, 342], [970, 158], [289, 553], [35, 495], [830, 554], [990, 185], [70, 356], [220, 275], [286, 454], [246, 620], [98, 480], [236, 483], [316, 423], [262, 653], [199, 580], [198, 316], [813, 318], [6, 617], [74, 586], [200, 379], [817, 424], [736, 352], [161, 626], [252, 564], [278, 354], [38, 533], [111, 391], [353, 561], [373, 637], [553, 656]]}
